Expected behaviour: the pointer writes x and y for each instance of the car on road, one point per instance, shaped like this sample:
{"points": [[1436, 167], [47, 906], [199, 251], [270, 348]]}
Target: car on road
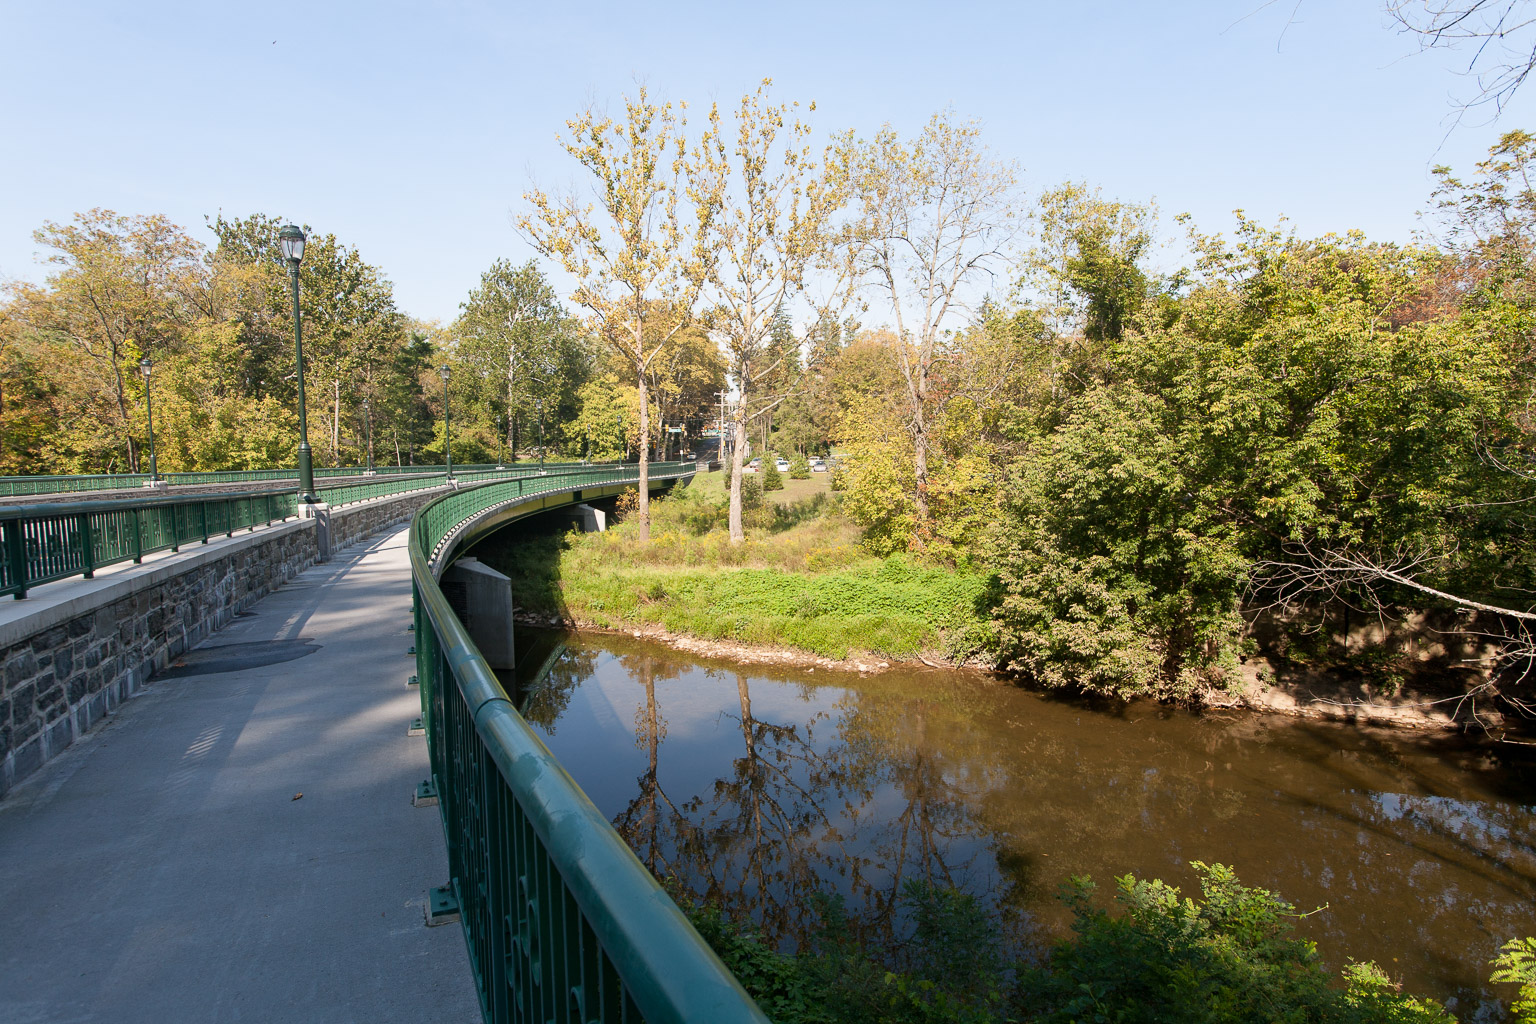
{"points": [[782, 465], [818, 466]]}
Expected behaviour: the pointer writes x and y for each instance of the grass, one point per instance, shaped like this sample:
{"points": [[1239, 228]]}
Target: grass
{"points": [[801, 579]]}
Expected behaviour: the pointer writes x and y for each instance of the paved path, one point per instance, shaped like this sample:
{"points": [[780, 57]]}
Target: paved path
{"points": [[163, 869]]}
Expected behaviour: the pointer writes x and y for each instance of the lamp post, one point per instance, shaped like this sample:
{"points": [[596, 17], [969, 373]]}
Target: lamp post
{"points": [[539, 404], [145, 365], [447, 422], [618, 422], [292, 239], [368, 426], [501, 426]]}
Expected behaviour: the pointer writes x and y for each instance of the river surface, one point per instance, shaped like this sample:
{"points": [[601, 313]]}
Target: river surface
{"points": [[761, 787]]}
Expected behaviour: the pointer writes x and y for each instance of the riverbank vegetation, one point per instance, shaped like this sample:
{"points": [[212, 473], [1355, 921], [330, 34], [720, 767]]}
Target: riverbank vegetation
{"points": [[1107, 470], [1154, 955], [802, 579]]}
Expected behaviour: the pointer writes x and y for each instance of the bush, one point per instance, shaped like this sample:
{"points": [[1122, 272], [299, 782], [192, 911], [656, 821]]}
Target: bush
{"points": [[1228, 958], [1517, 965], [799, 468], [772, 481], [752, 492]]}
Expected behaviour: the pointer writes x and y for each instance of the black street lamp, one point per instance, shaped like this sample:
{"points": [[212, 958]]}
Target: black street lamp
{"points": [[447, 422], [145, 365], [539, 404], [618, 421], [501, 426], [292, 239], [368, 426]]}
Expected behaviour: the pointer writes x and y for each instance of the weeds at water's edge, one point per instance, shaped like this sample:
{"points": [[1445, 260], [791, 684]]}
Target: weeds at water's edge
{"points": [[800, 580]]}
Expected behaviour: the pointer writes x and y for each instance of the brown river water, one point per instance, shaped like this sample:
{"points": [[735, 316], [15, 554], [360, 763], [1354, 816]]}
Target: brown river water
{"points": [[761, 787]]}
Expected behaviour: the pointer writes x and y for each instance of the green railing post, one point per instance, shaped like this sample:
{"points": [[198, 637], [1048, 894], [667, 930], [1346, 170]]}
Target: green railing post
{"points": [[16, 554], [202, 515], [138, 538], [87, 549]]}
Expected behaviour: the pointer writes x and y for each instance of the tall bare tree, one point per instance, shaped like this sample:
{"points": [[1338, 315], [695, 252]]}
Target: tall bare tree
{"points": [[642, 252], [1500, 35], [775, 206], [934, 218]]}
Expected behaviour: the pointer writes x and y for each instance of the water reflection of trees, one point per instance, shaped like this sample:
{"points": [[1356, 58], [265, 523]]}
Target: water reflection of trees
{"points": [[858, 789], [852, 798]]}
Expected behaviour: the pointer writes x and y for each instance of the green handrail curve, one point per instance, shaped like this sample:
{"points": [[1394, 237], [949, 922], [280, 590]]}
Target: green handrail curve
{"points": [[18, 486], [44, 543], [562, 921]]}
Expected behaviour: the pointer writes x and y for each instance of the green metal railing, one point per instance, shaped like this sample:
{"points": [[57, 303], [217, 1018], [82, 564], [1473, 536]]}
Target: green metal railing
{"points": [[15, 486], [562, 921], [47, 542], [43, 543]]}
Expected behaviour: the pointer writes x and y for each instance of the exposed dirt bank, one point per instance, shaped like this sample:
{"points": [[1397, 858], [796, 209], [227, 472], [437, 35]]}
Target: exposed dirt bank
{"points": [[1317, 696]]}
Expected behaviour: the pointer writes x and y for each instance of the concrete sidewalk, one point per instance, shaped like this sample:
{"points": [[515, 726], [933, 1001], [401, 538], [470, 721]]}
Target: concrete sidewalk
{"points": [[165, 869]]}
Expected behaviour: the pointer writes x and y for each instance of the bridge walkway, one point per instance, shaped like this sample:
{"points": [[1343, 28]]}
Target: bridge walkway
{"points": [[166, 868]]}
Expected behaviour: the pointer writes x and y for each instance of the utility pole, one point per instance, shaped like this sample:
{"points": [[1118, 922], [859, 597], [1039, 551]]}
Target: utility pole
{"points": [[720, 436]]}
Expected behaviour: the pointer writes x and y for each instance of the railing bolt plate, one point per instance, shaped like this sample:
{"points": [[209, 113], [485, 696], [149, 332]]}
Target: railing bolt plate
{"points": [[416, 729], [426, 794], [442, 906]]}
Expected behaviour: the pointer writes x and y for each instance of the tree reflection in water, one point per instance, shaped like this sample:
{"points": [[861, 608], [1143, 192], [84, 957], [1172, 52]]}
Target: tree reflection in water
{"points": [[773, 791]]}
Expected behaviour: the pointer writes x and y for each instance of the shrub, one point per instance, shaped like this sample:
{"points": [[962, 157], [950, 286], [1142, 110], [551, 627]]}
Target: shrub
{"points": [[1517, 965], [772, 481], [752, 492], [799, 468], [626, 505]]}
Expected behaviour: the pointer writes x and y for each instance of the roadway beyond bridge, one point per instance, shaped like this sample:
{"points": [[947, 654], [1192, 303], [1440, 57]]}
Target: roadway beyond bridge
{"points": [[238, 843]]}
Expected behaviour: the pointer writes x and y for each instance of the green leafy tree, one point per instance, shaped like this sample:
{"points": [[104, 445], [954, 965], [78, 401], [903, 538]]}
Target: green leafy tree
{"points": [[642, 259], [117, 293], [932, 217]]}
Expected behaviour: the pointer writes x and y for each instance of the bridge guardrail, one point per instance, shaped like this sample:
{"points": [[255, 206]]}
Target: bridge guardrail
{"points": [[17, 486], [562, 921], [44, 543]]}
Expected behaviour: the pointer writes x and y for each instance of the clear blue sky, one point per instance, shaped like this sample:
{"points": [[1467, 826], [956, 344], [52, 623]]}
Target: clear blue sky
{"points": [[412, 130]]}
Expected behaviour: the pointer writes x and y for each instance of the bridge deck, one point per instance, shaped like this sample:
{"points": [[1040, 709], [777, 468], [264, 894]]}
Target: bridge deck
{"points": [[162, 869]]}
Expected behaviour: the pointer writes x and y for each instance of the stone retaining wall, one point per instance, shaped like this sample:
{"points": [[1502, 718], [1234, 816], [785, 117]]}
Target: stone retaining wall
{"points": [[68, 661]]}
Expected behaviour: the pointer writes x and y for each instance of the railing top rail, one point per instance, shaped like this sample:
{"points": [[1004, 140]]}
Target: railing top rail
{"points": [[59, 508], [40, 509], [668, 969]]}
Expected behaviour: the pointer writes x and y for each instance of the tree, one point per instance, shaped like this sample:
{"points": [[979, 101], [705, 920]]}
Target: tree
{"points": [[933, 218], [118, 293], [775, 206], [1499, 31], [1083, 277], [510, 327], [641, 256], [685, 379], [351, 325]]}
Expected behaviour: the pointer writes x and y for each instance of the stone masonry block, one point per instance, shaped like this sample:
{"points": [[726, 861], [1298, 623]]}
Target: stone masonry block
{"points": [[22, 699], [21, 667], [49, 640]]}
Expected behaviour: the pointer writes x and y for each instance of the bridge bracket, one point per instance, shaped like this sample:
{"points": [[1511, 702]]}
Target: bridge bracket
{"points": [[442, 906], [417, 728], [425, 795]]}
